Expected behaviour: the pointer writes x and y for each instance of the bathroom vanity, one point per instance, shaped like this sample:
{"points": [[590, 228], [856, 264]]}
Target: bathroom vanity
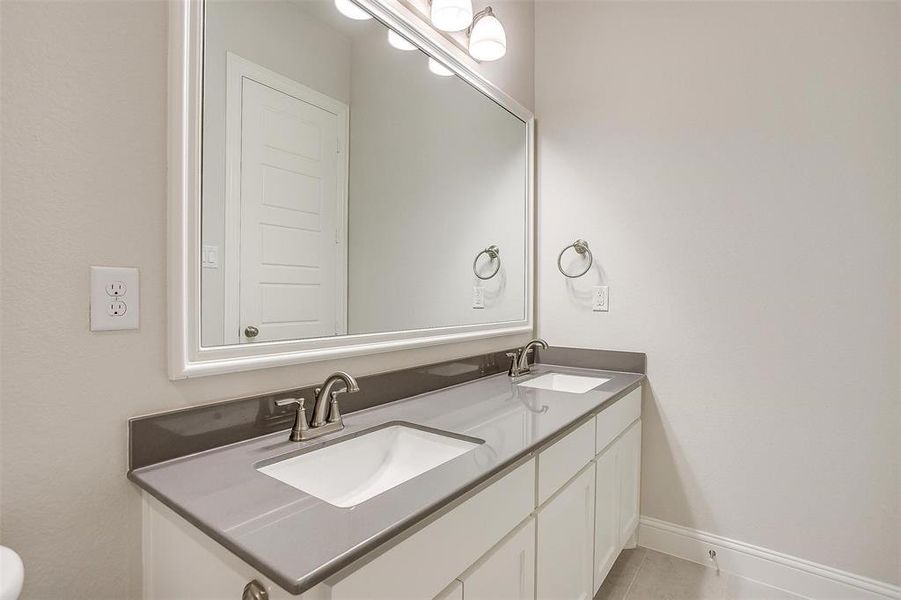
{"points": [[337, 193], [495, 488]]}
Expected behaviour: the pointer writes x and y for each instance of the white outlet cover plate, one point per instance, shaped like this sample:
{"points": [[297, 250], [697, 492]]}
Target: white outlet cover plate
{"points": [[102, 317], [600, 298], [478, 297]]}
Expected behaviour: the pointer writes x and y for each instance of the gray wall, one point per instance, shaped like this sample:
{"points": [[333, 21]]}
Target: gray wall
{"points": [[84, 183], [735, 166]]}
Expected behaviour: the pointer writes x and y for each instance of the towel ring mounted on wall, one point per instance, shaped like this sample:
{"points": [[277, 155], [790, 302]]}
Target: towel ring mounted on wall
{"points": [[494, 253], [581, 248]]}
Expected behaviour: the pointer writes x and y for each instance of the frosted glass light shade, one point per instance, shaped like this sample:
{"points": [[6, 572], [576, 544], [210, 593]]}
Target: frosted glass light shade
{"points": [[351, 10], [451, 15], [487, 41], [399, 42], [438, 69]]}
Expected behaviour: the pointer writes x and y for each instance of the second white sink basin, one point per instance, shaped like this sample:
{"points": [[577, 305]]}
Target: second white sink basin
{"points": [[558, 382], [349, 472]]}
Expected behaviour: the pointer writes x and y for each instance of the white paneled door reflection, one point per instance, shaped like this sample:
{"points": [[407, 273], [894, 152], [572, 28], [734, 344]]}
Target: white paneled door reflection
{"points": [[292, 273]]}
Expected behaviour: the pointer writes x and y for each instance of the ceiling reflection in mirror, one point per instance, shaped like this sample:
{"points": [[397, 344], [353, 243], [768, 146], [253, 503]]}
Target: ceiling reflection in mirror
{"points": [[349, 186]]}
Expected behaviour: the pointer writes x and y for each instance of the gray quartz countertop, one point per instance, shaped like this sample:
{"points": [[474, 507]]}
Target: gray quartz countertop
{"points": [[297, 540]]}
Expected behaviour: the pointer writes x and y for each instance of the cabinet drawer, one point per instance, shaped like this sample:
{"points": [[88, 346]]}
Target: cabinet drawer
{"points": [[613, 420], [560, 462], [422, 565]]}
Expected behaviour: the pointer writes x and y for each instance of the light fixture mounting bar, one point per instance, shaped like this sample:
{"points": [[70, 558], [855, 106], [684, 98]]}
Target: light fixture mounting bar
{"points": [[458, 38], [485, 12]]}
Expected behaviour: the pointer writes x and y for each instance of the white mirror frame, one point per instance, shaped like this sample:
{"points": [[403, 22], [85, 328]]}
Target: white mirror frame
{"points": [[187, 358]]}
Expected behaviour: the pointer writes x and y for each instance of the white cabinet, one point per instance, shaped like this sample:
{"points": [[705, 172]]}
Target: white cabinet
{"points": [[629, 466], [506, 573], [566, 541], [606, 515], [617, 481]]}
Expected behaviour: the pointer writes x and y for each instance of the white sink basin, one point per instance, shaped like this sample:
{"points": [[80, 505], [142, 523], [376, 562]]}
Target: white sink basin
{"points": [[349, 472], [558, 382]]}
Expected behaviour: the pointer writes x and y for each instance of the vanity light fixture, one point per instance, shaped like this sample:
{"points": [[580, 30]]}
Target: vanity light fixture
{"points": [[351, 10], [438, 69], [398, 41], [487, 39], [451, 15]]}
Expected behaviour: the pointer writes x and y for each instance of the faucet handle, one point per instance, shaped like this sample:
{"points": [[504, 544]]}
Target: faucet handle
{"points": [[300, 418], [289, 401], [334, 414], [514, 363]]}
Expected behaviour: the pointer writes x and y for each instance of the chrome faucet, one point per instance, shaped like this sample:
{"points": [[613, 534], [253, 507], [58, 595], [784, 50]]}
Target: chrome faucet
{"points": [[519, 364], [326, 415]]}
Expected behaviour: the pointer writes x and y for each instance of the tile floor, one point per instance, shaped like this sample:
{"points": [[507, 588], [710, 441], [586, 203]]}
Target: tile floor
{"points": [[643, 574]]}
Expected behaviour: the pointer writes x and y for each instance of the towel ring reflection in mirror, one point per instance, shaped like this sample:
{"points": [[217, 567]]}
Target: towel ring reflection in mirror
{"points": [[494, 254], [581, 248]]}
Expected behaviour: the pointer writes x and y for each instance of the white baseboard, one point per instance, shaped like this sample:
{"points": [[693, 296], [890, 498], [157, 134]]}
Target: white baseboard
{"points": [[795, 575]]}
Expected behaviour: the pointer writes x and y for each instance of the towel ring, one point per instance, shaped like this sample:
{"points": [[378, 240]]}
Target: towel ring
{"points": [[581, 248], [493, 253]]}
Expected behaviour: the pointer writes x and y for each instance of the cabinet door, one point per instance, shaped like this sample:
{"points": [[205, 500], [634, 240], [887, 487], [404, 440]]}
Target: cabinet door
{"points": [[629, 451], [507, 573], [606, 514], [566, 542]]}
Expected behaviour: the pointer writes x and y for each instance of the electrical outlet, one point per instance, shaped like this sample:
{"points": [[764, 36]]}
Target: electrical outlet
{"points": [[209, 258], [116, 288], [115, 298], [600, 298], [478, 297], [116, 308]]}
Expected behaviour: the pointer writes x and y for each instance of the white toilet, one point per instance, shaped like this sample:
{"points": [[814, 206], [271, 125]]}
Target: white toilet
{"points": [[12, 574]]}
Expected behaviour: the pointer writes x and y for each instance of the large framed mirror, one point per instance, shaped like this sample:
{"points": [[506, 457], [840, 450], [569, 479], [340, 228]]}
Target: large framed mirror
{"points": [[339, 185]]}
